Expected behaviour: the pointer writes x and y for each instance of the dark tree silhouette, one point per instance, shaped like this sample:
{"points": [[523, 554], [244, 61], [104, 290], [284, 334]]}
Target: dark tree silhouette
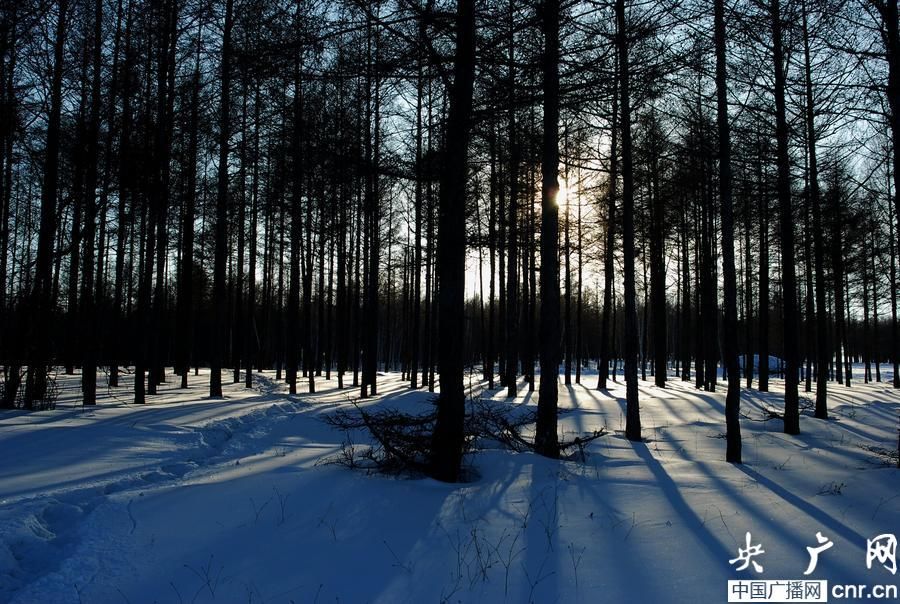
{"points": [[447, 443]]}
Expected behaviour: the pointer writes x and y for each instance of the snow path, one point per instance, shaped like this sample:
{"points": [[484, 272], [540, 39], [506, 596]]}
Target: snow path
{"points": [[195, 500]]}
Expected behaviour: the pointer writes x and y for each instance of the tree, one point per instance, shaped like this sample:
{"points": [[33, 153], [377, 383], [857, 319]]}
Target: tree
{"points": [[185, 300], [821, 314], [447, 441], [890, 32], [606, 339], [41, 293], [546, 440], [786, 220], [215, 380], [730, 323], [88, 303], [512, 263], [630, 336]]}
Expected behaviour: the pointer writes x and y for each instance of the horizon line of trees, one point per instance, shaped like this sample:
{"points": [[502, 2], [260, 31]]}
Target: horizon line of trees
{"points": [[298, 184]]}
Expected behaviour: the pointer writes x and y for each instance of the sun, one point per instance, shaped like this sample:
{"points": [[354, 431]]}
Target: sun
{"points": [[562, 196]]}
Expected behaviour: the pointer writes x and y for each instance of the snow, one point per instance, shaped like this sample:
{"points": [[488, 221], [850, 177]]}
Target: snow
{"points": [[191, 499], [775, 364]]}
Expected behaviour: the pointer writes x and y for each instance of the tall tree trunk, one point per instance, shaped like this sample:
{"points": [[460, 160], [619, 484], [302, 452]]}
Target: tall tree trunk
{"points": [[237, 318], [70, 333], [848, 351], [292, 319], [579, 304], [700, 298], [567, 255], [823, 352], [415, 336], [546, 439], [748, 288], [490, 346], [512, 261], [710, 279], [686, 330], [166, 66], [837, 261], [630, 336], [606, 327], [763, 365], [320, 345], [729, 277], [42, 293], [645, 310], [658, 273], [185, 300], [810, 311], [221, 229], [448, 435], [124, 225], [370, 326], [532, 279], [104, 308], [788, 276], [308, 353], [88, 339], [866, 335], [250, 339], [895, 330], [876, 345], [891, 36], [344, 248]]}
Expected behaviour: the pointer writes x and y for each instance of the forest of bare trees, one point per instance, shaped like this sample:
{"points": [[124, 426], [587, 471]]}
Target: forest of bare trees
{"points": [[648, 191]]}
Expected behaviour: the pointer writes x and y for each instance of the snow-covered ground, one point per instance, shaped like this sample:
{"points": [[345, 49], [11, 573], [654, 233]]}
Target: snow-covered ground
{"points": [[189, 499]]}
